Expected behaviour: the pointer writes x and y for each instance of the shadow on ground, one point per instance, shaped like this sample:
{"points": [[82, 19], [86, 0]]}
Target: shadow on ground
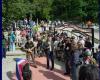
{"points": [[50, 75], [11, 75], [55, 70]]}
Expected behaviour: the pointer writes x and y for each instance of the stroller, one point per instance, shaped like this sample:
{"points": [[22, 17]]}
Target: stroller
{"points": [[23, 71]]}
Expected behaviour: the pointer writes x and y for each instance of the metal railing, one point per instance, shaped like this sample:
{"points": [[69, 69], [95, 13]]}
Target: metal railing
{"points": [[72, 33]]}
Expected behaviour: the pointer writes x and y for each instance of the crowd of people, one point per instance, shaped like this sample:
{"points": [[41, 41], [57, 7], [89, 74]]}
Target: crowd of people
{"points": [[54, 45]]}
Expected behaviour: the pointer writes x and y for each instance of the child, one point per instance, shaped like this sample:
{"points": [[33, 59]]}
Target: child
{"points": [[88, 59]]}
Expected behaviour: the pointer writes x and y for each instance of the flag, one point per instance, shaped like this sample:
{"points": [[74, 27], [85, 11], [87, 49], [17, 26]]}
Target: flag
{"points": [[19, 67]]}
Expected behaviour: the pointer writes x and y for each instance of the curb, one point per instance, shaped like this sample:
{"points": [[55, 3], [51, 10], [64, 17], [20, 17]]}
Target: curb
{"points": [[15, 54]]}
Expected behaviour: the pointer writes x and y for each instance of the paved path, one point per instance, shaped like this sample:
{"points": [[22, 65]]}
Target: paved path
{"points": [[40, 73]]}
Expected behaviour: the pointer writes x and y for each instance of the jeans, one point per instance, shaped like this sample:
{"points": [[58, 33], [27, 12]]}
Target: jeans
{"points": [[67, 67], [74, 72], [49, 56]]}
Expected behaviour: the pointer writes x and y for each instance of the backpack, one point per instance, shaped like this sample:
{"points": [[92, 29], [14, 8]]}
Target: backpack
{"points": [[26, 73], [93, 61]]}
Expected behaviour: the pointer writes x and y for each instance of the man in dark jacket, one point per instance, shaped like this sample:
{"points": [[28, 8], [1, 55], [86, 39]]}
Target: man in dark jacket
{"points": [[67, 56], [49, 53]]}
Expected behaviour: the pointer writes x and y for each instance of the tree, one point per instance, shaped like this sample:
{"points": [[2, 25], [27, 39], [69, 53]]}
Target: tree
{"points": [[91, 9], [59, 9], [77, 10]]}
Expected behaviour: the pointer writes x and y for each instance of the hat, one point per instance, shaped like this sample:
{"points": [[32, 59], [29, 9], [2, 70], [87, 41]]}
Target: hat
{"points": [[87, 52]]}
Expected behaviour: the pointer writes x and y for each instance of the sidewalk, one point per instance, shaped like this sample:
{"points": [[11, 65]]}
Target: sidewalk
{"points": [[41, 73]]}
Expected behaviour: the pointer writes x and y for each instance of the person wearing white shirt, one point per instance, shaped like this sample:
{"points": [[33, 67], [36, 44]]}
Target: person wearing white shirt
{"points": [[18, 37]]}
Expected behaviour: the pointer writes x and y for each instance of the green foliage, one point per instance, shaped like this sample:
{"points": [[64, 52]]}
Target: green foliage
{"points": [[91, 9], [50, 9]]}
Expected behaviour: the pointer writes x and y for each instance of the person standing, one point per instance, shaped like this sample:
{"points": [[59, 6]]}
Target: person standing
{"points": [[75, 60], [31, 24], [12, 41], [25, 22], [18, 37], [29, 48], [49, 53], [55, 47], [3, 46], [67, 56]]}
